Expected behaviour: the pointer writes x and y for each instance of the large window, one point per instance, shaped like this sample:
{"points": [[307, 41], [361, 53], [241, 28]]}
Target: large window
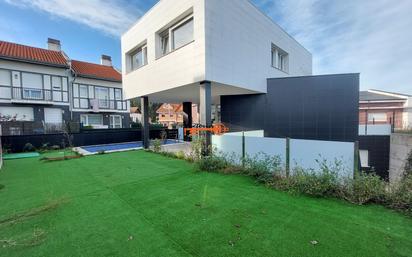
{"points": [[139, 57], [115, 121], [182, 34], [176, 36], [102, 95], [377, 117], [280, 59], [91, 119]]}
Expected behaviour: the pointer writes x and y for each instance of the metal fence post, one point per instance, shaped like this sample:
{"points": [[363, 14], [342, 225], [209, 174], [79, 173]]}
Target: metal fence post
{"points": [[356, 158], [287, 157], [243, 149]]}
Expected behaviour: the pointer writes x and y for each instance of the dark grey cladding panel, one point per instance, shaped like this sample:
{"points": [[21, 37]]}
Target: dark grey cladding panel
{"points": [[243, 112], [312, 107]]}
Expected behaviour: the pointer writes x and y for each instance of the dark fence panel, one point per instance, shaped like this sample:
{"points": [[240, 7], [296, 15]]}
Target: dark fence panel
{"points": [[86, 137], [379, 149]]}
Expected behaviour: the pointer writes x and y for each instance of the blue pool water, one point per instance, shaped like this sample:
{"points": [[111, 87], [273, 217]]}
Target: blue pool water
{"points": [[120, 146]]}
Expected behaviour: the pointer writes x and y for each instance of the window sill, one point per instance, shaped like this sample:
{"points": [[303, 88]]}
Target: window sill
{"points": [[136, 69], [160, 57], [280, 70]]}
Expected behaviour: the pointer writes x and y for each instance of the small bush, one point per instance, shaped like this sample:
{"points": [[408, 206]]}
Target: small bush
{"points": [[212, 164], [55, 147], [263, 167], [399, 196], [364, 188], [157, 146], [29, 148], [1, 186], [180, 155]]}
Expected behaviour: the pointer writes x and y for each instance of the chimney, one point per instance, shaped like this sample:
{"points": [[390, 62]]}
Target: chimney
{"points": [[106, 60], [53, 44]]}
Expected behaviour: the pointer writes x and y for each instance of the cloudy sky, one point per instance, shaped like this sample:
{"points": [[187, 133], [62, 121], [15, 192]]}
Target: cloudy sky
{"points": [[373, 37]]}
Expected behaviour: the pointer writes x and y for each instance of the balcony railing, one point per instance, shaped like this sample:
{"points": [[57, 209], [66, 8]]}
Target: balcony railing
{"points": [[103, 104], [35, 94]]}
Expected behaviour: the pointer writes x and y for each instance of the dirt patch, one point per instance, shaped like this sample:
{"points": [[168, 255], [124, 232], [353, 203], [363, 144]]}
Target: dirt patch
{"points": [[20, 217], [36, 238]]}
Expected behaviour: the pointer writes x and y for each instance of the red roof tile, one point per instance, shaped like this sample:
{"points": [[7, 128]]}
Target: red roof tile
{"points": [[170, 108], [31, 54], [92, 70]]}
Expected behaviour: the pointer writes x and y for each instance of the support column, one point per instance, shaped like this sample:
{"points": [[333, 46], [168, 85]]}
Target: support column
{"points": [[145, 121], [206, 109], [188, 120]]}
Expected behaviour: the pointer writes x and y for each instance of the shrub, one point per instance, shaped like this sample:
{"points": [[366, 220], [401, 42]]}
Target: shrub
{"points": [[55, 147], [212, 163], [363, 188], [180, 155], [29, 148], [157, 145], [262, 166], [196, 148], [399, 196], [136, 125], [1, 186]]}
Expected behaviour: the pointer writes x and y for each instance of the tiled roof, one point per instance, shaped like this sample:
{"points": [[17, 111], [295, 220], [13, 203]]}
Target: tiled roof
{"points": [[31, 54], [96, 71], [374, 96], [170, 108], [135, 110]]}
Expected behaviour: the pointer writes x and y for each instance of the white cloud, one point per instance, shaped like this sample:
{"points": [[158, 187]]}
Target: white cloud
{"points": [[111, 17], [373, 37]]}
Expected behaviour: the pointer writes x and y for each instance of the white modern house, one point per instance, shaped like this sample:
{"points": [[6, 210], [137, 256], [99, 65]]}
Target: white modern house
{"points": [[198, 50], [45, 87], [232, 44]]}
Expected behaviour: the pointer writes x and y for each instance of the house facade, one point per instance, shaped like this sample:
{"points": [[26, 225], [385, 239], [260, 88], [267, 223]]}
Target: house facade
{"points": [[44, 88], [208, 52], [380, 107], [172, 115]]}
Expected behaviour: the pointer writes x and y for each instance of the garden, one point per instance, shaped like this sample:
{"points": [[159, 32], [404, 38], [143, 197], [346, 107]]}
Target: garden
{"points": [[142, 203]]}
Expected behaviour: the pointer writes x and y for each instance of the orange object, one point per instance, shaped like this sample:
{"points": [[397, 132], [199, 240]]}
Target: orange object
{"points": [[216, 129]]}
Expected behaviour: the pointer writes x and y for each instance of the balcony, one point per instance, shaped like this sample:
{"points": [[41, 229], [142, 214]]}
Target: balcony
{"points": [[100, 104], [31, 95]]}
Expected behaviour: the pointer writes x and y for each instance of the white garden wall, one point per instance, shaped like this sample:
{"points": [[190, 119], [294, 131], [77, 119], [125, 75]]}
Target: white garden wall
{"points": [[306, 154]]}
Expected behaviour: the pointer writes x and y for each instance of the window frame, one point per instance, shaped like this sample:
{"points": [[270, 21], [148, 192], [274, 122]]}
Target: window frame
{"points": [[169, 32], [143, 49], [112, 123], [372, 114], [281, 62], [86, 116]]}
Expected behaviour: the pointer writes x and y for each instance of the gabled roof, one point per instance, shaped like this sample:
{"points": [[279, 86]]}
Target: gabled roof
{"points": [[135, 110], [377, 95], [96, 71], [13, 51], [170, 108]]}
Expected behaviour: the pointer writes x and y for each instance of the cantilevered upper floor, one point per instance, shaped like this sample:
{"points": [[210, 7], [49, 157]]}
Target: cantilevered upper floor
{"points": [[178, 44]]}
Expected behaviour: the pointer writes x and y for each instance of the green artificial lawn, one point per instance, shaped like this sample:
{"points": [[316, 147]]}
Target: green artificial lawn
{"points": [[143, 204]]}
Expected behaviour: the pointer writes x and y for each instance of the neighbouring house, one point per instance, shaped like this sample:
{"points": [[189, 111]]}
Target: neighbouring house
{"points": [[229, 56], [172, 115], [44, 88], [135, 115], [380, 107]]}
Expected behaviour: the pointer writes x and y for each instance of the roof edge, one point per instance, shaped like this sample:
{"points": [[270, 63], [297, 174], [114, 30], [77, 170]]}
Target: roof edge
{"points": [[8, 58]]}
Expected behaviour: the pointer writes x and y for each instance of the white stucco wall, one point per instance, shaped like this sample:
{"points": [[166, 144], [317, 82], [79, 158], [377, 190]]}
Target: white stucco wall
{"points": [[239, 40], [181, 67], [21, 66], [232, 46]]}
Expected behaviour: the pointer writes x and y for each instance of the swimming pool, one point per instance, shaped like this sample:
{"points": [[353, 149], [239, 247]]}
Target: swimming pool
{"points": [[119, 147]]}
